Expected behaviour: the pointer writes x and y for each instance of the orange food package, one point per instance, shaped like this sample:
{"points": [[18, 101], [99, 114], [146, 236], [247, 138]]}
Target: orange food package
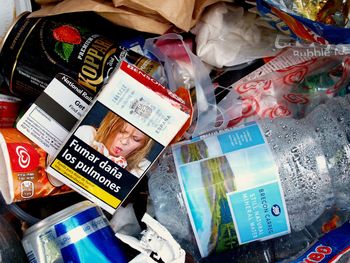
{"points": [[22, 169]]}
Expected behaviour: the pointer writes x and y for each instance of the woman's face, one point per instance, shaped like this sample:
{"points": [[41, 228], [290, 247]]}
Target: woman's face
{"points": [[126, 141]]}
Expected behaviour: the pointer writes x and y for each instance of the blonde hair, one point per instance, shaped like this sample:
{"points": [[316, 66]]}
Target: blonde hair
{"points": [[110, 125]]}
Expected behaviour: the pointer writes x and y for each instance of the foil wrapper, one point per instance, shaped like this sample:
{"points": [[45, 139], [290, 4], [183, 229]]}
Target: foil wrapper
{"points": [[331, 12]]}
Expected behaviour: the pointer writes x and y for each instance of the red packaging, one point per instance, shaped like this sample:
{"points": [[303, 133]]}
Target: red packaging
{"points": [[9, 108], [22, 169]]}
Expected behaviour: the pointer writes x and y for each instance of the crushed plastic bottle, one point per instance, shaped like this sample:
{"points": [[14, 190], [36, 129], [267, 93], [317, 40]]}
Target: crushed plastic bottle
{"points": [[313, 160]]}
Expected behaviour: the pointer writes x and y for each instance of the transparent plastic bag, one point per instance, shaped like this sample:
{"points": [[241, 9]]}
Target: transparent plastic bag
{"points": [[183, 68]]}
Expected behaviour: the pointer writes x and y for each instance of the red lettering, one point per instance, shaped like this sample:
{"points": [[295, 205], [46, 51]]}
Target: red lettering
{"points": [[324, 250], [318, 255], [314, 256]]}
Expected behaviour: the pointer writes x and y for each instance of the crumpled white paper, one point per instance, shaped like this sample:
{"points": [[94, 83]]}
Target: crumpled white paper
{"points": [[228, 36], [156, 244]]}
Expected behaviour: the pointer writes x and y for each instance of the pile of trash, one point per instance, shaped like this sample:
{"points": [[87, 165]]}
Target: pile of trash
{"points": [[186, 131]]}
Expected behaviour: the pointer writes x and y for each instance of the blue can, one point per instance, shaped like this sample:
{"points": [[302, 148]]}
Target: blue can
{"points": [[80, 234]]}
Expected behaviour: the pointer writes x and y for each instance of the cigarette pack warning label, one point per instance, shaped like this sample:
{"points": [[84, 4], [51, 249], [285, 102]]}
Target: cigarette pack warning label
{"points": [[131, 122]]}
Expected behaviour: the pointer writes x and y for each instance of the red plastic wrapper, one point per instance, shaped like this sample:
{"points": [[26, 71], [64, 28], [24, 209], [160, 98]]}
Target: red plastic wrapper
{"points": [[294, 90]]}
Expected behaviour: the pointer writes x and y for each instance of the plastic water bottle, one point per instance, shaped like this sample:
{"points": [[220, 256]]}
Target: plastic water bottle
{"points": [[313, 160]]}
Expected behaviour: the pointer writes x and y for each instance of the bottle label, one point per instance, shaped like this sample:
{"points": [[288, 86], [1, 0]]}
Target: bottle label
{"points": [[231, 188]]}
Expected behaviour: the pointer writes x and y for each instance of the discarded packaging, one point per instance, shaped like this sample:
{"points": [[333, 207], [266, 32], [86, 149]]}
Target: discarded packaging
{"points": [[53, 115], [80, 233], [22, 166], [139, 119], [156, 244]]}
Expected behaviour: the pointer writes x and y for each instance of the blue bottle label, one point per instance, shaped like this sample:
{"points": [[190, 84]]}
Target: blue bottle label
{"points": [[231, 188]]}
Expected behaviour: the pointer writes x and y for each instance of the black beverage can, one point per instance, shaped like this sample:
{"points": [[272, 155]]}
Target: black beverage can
{"points": [[80, 45]]}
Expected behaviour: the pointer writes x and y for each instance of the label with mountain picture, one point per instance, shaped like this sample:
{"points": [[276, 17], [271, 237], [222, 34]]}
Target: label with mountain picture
{"points": [[231, 188]]}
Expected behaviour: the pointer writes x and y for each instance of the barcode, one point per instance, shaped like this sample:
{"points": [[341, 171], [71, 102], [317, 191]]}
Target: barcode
{"points": [[31, 257]]}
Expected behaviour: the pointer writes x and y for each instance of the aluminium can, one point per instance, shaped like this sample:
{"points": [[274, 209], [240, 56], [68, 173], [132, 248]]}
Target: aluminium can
{"points": [[82, 46], [79, 233]]}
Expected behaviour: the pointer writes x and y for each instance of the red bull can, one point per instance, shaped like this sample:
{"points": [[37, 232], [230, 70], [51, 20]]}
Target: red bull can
{"points": [[80, 234]]}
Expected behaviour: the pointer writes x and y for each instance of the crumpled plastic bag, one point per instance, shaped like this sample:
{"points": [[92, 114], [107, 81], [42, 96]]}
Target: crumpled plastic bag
{"points": [[156, 244], [290, 85], [184, 68], [227, 36]]}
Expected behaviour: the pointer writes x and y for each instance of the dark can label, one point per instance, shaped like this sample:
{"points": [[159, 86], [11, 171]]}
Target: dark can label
{"points": [[37, 49]]}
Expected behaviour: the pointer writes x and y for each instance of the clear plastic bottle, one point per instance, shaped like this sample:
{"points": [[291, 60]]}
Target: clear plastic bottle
{"points": [[313, 160]]}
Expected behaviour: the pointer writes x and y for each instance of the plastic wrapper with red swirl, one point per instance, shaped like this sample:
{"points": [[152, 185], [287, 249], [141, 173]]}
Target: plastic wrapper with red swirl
{"points": [[290, 91]]}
